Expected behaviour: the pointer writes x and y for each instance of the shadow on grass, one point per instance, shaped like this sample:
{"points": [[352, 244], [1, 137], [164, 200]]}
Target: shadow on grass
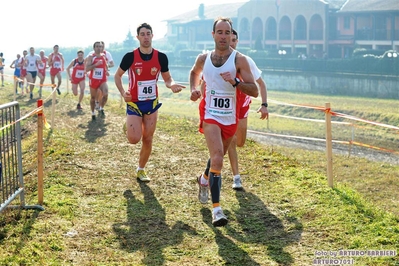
{"points": [[75, 112], [259, 226], [94, 129], [146, 229], [228, 250], [49, 103]]}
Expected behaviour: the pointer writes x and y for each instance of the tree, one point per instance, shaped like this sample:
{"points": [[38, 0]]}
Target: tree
{"points": [[129, 40]]}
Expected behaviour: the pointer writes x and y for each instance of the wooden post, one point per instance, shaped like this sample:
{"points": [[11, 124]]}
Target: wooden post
{"points": [[67, 84], [53, 102], [40, 152], [15, 88], [329, 145]]}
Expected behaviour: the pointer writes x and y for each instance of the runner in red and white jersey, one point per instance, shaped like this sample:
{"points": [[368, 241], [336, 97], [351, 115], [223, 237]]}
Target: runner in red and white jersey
{"points": [[42, 70], [56, 63], [78, 76], [218, 110], [21, 64], [97, 65]]}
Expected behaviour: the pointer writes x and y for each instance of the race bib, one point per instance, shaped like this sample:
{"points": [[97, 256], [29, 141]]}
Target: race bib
{"points": [[98, 73], [221, 104], [40, 66], [57, 64], [147, 90], [79, 74]]}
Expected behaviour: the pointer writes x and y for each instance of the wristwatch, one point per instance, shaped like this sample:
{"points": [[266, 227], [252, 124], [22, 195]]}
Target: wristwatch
{"points": [[265, 104], [237, 82]]}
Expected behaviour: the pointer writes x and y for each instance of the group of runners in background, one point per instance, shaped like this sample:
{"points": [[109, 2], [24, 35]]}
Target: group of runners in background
{"points": [[95, 66]]}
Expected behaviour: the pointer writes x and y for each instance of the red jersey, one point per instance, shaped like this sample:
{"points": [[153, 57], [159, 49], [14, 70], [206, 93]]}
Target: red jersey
{"points": [[100, 71], [78, 72], [56, 60], [42, 66], [143, 77], [23, 68]]}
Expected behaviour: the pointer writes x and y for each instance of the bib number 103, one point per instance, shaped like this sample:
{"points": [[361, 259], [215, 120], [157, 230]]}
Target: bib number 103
{"points": [[224, 103]]}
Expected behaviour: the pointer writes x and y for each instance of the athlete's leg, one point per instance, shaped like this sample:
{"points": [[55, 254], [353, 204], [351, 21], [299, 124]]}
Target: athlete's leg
{"points": [[82, 86], [59, 78], [104, 93], [149, 125]]}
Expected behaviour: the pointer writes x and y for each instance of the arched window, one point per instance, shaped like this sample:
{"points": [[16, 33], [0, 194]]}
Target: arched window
{"points": [[300, 28], [316, 28], [271, 29]]}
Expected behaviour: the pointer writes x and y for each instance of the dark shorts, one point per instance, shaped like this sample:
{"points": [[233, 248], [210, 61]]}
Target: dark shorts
{"points": [[142, 108], [33, 73]]}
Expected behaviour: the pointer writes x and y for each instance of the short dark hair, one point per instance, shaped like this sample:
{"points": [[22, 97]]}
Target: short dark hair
{"points": [[1, 54], [56, 46], [222, 19], [144, 25], [94, 44], [235, 33], [80, 51]]}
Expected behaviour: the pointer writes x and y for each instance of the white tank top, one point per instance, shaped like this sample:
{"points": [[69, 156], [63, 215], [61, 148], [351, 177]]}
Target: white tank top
{"points": [[220, 96]]}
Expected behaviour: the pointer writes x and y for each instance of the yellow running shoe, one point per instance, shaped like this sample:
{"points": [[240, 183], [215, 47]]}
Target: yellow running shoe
{"points": [[141, 175]]}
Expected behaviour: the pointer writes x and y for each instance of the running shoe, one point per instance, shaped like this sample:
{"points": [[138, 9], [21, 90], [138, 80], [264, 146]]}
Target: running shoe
{"points": [[93, 117], [101, 113], [237, 183], [203, 191], [219, 219], [31, 96], [78, 106], [141, 175], [58, 91]]}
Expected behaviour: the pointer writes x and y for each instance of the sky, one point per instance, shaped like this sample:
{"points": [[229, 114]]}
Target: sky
{"points": [[79, 23]]}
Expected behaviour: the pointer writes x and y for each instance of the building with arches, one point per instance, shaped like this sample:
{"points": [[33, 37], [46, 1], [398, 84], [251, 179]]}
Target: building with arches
{"points": [[317, 28]]}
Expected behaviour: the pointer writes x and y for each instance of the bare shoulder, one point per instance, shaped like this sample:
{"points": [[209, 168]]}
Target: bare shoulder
{"points": [[201, 57], [241, 59]]}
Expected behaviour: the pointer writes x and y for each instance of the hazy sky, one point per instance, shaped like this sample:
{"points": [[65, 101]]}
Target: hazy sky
{"points": [[44, 23]]}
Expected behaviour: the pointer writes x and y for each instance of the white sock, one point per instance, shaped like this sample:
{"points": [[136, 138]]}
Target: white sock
{"points": [[237, 177], [216, 209], [139, 168], [203, 181]]}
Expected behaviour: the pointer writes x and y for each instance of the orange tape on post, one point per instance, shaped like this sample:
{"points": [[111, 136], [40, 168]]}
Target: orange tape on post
{"points": [[40, 104]]}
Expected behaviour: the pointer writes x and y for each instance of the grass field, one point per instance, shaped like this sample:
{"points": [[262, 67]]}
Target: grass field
{"points": [[96, 213]]}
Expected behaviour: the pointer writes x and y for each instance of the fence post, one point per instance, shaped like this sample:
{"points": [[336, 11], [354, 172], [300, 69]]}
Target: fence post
{"points": [[53, 102], [40, 152], [67, 84], [329, 145]]}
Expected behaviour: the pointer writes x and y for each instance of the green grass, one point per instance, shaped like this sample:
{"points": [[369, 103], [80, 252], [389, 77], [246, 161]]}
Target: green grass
{"points": [[96, 213]]}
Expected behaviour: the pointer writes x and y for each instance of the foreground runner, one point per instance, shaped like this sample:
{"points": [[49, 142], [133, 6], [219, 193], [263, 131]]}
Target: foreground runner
{"points": [[144, 65], [218, 107]]}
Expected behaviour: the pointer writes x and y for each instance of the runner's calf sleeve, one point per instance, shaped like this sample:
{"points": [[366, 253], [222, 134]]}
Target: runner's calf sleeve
{"points": [[215, 183]]}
